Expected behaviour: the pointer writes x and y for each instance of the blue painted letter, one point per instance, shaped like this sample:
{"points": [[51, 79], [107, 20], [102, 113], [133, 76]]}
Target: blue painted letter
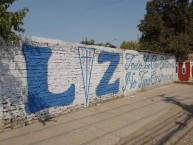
{"points": [[39, 96], [104, 88]]}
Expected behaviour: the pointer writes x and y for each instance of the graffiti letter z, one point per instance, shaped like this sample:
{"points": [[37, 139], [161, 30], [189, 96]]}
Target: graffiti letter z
{"points": [[104, 87]]}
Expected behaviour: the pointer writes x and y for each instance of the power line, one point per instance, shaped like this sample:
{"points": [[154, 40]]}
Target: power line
{"points": [[101, 5]]}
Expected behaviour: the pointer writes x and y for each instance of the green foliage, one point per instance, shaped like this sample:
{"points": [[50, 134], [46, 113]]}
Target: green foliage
{"points": [[88, 42], [131, 45], [168, 26], [10, 22], [92, 42], [108, 44]]}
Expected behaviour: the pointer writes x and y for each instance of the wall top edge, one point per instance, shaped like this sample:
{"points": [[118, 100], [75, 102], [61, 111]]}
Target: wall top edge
{"points": [[48, 42]]}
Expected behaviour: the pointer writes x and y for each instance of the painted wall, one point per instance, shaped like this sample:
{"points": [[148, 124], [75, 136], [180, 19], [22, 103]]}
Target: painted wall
{"points": [[184, 71], [145, 70], [41, 77]]}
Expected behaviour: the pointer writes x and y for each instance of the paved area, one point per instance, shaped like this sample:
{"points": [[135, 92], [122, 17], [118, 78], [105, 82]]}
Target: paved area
{"points": [[109, 123], [174, 127]]}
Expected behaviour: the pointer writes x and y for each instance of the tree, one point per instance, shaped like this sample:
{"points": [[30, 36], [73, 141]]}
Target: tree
{"points": [[131, 45], [167, 26], [88, 42], [11, 22], [108, 44], [92, 42]]}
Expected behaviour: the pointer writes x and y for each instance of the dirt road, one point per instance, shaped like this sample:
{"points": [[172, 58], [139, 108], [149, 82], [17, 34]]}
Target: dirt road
{"points": [[119, 121], [175, 127]]}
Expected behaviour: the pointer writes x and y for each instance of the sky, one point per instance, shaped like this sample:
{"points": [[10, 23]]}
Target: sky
{"points": [[104, 21]]}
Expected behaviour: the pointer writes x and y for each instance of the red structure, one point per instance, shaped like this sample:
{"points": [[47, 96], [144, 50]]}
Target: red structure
{"points": [[192, 71], [184, 76]]}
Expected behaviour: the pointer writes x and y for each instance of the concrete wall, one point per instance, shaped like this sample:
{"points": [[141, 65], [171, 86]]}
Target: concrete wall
{"points": [[184, 71], [43, 78]]}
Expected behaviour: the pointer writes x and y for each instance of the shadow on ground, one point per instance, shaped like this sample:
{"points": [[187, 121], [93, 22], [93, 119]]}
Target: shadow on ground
{"points": [[180, 124], [168, 129]]}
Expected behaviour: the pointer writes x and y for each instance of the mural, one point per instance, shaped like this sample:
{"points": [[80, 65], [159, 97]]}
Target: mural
{"points": [[86, 57], [143, 70], [104, 87], [130, 81], [63, 76], [39, 96], [184, 71]]}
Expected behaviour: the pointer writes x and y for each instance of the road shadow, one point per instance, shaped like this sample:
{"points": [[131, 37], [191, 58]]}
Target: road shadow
{"points": [[180, 125], [187, 108], [164, 129]]}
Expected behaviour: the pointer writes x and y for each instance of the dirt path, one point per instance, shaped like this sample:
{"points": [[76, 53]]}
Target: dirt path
{"points": [[118, 121], [175, 127]]}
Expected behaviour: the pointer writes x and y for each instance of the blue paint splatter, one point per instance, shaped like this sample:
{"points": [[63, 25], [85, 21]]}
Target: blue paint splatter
{"points": [[88, 71], [104, 87], [39, 96]]}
